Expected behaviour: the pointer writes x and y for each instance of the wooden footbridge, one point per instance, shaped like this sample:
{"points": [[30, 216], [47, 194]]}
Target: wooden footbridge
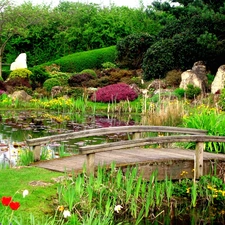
{"points": [[139, 151]]}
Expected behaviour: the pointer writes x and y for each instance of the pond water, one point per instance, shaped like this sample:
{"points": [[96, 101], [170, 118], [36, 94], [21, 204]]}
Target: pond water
{"points": [[16, 127]]}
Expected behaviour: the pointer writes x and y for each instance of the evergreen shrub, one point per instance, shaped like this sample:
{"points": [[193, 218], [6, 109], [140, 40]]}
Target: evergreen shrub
{"points": [[114, 93], [50, 83], [86, 60], [22, 73], [75, 92], [61, 77], [38, 76], [192, 92], [179, 92], [89, 71]]}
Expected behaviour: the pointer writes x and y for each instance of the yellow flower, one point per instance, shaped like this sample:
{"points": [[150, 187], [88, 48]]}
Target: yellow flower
{"points": [[60, 208], [188, 190]]}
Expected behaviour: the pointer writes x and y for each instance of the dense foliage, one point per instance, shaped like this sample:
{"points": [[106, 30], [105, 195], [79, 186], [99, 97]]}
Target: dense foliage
{"points": [[167, 37], [114, 93], [131, 49]]}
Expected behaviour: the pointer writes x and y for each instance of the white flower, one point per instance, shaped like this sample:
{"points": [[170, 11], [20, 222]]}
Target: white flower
{"points": [[118, 208], [66, 213], [25, 193]]}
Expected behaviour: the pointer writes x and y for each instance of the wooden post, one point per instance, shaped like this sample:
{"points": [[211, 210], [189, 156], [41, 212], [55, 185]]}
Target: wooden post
{"points": [[90, 163], [37, 153], [199, 159]]}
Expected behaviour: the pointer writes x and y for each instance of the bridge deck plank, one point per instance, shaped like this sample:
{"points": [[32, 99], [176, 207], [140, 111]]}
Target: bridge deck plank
{"points": [[126, 157]]}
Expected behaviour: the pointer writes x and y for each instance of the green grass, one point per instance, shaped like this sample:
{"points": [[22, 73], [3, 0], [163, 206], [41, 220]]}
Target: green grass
{"points": [[39, 202]]}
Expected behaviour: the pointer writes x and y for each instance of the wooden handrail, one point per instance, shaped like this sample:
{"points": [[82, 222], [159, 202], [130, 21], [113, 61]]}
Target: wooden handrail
{"points": [[112, 130]]}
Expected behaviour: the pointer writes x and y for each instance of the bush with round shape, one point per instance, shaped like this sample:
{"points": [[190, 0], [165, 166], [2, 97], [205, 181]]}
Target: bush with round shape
{"points": [[50, 83], [192, 92], [173, 78], [22, 73], [114, 93], [89, 71], [108, 65]]}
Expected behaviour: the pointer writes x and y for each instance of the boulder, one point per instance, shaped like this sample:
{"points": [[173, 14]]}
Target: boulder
{"points": [[196, 76], [56, 90], [21, 95], [20, 62], [219, 80]]}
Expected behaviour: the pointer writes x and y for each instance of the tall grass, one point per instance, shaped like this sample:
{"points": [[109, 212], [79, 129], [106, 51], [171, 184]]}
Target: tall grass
{"points": [[210, 119]]}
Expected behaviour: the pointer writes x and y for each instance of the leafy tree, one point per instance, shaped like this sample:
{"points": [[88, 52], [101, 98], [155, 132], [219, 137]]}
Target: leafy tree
{"points": [[14, 22], [131, 49]]}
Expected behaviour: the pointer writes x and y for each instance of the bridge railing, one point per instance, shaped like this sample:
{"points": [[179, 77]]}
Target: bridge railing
{"points": [[179, 135]]}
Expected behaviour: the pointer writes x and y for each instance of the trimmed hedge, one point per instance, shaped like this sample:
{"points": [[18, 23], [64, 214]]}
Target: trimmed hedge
{"points": [[92, 59]]}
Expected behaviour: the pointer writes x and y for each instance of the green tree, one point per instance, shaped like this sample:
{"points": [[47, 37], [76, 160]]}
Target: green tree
{"points": [[15, 22]]}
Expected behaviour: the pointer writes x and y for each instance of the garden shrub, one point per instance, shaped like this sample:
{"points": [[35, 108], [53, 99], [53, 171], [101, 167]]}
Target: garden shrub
{"points": [[61, 77], [79, 80], [75, 92], [50, 83], [38, 76], [101, 82], [131, 50], [117, 75], [89, 71], [86, 60], [114, 93], [108, 65], [16, 82], [179, 92], [192, 92], [23, 73], [173, 78]]}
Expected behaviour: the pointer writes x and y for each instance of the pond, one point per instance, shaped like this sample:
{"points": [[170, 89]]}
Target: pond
{"points": [[17, 126]]}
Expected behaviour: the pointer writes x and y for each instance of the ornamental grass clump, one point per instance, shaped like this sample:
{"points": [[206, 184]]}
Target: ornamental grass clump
{"points": [[114, 93]]}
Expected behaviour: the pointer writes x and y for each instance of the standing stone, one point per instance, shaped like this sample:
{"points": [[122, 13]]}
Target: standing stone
{"points": [[20, 62], [219, 80], [196, 76]]}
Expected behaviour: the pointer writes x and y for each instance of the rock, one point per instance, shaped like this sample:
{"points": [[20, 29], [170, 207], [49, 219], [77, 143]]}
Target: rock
{"points": [[21, 95], [219, 80], [157, 84], [196, 76], [56, 90], [20, 62]]}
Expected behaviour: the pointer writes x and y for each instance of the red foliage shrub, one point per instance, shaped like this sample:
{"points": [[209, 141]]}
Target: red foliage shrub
{"points": [[79, 80], [114, 93]]}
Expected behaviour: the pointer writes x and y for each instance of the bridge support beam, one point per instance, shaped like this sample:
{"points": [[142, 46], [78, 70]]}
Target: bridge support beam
{"points": [[199, 159], [90, 163]]}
